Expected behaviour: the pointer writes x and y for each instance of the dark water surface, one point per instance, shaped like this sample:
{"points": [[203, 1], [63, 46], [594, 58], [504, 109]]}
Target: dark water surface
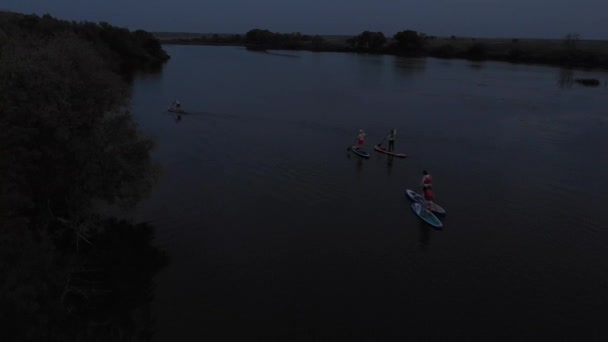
{"points": [[276, 232]]}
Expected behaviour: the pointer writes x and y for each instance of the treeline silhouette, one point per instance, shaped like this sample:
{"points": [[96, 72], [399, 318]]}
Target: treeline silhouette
{"points": [[571, 51], [67, 145], [258, 39], [124, 50]]}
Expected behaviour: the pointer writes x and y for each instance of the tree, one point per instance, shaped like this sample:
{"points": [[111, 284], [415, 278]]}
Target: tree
{"points": [[571, 41], [260, 36], [317, 41], [409, 41], [66, 141], [368, 40], [63, 108], [377, 40]]}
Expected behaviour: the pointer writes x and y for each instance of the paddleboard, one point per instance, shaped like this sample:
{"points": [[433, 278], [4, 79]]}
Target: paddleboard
{"points": [[427, 217], [436, 208], [380, 149], [359, 152], [173, 110]]}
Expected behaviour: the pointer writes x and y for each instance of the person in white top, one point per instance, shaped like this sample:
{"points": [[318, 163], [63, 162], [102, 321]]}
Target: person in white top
{"points": [[391, 139]]}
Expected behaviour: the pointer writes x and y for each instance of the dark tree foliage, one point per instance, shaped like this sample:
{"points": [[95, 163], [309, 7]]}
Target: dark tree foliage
{"points": [[270, 40], [477, 52], [409, 42], [124, 50], [368, 41], [67, 143]]}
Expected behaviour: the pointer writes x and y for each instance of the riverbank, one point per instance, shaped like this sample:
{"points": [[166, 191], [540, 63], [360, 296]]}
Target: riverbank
{"points": [[568, 52], [69, 147]]}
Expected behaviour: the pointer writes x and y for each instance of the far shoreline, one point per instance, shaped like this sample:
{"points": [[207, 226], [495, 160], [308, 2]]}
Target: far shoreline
{"points": [[570, 52]]}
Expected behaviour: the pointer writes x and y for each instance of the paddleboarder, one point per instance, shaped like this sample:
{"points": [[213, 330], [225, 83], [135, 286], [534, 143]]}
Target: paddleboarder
{"points": [[391, 139], [360, 139], [427, 180], [429, 196]]}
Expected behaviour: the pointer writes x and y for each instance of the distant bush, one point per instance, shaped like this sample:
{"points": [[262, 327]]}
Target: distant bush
{"points": [[515, 54], [443, 51], [477, 52]]}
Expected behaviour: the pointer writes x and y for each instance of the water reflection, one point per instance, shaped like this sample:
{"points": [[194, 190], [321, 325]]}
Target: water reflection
{"points": [[389, 164], [271, 53], [565, 78], [476, 65], [371, 69], [424, 235], [359, 164], [408, 66]]}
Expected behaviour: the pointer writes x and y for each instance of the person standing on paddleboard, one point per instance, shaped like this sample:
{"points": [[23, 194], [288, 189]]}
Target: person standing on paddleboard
{"points": [[429, 196], [427, 180], [360, 139], [391, 139]]}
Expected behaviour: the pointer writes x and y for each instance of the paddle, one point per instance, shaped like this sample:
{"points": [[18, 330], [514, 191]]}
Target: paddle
{"points": [[382, 140], [351, 146]]}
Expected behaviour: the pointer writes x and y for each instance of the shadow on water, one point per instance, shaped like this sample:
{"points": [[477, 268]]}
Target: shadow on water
{"points": [[476, 65], [150, 72], [389, 164], [270, 53], [359, 164], [424, 235], [358, 160], [565, 78]]}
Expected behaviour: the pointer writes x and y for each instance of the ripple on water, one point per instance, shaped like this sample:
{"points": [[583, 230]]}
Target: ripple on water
{"points": [[293, 180]]}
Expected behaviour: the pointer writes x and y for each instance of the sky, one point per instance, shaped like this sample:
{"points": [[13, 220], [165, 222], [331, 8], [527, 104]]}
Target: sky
{"points": [[473, 18]]}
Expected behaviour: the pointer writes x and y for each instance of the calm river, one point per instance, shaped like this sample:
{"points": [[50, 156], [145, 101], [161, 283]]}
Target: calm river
{"points": [[275, 231]]}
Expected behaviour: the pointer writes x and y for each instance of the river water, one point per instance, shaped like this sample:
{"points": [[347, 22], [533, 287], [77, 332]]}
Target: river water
{"points": [[276, 232]]}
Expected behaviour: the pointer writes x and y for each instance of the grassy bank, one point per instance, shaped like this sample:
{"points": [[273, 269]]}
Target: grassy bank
{"points": [[568, 52]]}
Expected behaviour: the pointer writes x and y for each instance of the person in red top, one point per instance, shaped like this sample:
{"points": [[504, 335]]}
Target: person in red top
{"points": [[360, 139], [429, 196], [427, 181]]}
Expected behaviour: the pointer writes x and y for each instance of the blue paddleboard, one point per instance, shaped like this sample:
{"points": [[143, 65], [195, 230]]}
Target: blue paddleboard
{"points": [[359, 152], [436, 208], [429, 218]]}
